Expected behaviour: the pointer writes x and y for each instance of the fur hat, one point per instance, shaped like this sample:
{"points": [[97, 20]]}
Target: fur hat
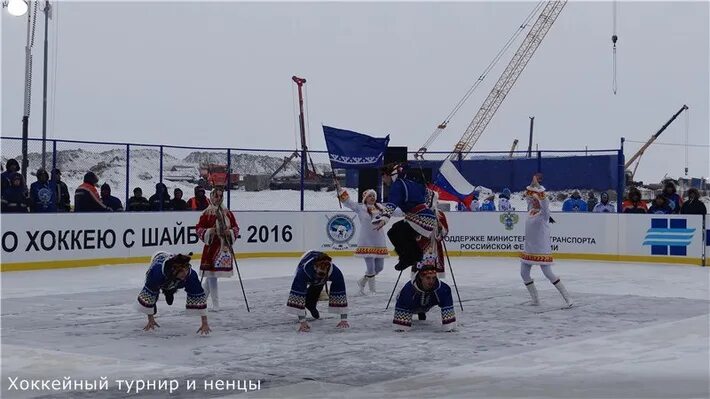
{"points": [[367, 193], [535, 188], [427, 265], [175, 262]]}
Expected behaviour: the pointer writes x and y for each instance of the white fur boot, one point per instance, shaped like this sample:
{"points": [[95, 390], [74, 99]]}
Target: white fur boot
{"points": [[535, 299], [371, 285], [563, 291], [361, 284]]}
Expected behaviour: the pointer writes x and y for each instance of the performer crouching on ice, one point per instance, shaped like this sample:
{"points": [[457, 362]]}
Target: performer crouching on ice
{"points": [[371, 244], [314, 270], [218, 229], [422, 293], [169, 273], [538, 247]]}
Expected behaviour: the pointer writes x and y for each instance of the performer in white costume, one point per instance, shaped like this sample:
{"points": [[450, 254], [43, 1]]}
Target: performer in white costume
{"points": [[538, 249], [371, 244]]}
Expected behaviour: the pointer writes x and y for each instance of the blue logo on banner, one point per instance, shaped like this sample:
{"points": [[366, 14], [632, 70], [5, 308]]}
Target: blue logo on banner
{"points": [[666, 239]]}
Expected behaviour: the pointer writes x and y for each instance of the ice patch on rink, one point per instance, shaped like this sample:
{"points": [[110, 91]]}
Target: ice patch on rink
{"points": [[638, 331]]}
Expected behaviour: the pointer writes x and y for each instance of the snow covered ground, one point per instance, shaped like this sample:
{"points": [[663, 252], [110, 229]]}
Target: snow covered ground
{"points": [[637, 331]]}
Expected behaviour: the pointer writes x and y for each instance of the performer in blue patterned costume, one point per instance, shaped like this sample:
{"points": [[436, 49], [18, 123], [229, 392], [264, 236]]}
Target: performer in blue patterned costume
{"points": [[313, 271], [422, 293], [411, 237], [168, 272]]}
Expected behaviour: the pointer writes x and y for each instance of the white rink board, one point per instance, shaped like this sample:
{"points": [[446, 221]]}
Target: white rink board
{"points": [[124, 237]]}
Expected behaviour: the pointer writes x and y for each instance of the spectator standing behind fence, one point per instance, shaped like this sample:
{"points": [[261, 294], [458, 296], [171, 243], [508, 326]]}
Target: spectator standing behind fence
{"points": [[109, 200], [11, 166], [488, 205], [14, 196], [604, 206], [504, 204], [86, 197], [574, 203], [61, 192], [674, 201], [43, 193], [660, 206], [591, 201], [178, 204], [693, 205], [138, 203], [634, 204], [160, 201], [199, 202]]}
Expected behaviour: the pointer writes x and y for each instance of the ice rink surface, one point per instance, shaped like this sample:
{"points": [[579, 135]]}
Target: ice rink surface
{"points": [[637, 330]]}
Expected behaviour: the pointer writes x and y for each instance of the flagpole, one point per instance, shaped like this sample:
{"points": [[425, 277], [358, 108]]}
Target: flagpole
{"points": [[335, 179]]}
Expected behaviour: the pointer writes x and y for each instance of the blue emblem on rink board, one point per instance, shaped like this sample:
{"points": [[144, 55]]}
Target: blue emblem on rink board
{"points": [[669, 237], [340, 228]]}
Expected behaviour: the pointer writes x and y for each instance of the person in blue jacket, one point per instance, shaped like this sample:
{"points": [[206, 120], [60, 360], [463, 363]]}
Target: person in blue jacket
{"points": [[422, 293], [660, 206], [574, 203], [43, 193], [488, 204], [314, 270], [673, 200], [168, 273], [413, 236]]}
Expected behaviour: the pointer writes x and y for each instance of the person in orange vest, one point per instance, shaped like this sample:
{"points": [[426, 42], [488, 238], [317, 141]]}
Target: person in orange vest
{"points": [[199, 202]]}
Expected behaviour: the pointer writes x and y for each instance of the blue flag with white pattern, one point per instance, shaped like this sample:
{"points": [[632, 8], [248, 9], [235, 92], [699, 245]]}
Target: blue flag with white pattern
{"points": [[352, 150]]}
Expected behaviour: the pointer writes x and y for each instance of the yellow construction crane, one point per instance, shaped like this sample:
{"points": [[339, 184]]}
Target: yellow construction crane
{"points": [[505, 82]]}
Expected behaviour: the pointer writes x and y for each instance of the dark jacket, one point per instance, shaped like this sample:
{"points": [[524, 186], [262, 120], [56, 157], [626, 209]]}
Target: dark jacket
{"points": [[14, 199], [693, 207], [109, 200], [86, 199], [138, 204], [61, 196], [178, 204], [156, 200]]}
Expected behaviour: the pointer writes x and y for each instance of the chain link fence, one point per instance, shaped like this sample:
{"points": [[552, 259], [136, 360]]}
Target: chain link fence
{"points": [[272, 180]]}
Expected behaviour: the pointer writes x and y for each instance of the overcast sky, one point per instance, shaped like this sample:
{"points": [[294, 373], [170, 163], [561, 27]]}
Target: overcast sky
{"points": [[219, 74]]}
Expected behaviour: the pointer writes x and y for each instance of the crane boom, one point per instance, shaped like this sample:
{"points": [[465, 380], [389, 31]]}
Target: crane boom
{"points": [[509, 76], [512, 149], [653, 138]]}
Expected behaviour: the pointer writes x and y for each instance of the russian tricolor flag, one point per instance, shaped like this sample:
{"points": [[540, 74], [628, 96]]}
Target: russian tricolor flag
{"points": [[452, 186]]}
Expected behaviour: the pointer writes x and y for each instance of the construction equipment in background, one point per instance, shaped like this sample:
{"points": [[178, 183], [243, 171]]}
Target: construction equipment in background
{"points": [[507, 79], [311, 179], [512, 149], [637, 156], [214, 174], [505, 82]]}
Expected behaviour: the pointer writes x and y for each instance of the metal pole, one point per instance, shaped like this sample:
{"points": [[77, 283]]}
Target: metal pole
{"points": [[28, 84], [54, 154], [128, 173], [229, 184], [160, 195], [300, 82], [530, 141], [44, 92], [539, 161], [621, 177]]}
